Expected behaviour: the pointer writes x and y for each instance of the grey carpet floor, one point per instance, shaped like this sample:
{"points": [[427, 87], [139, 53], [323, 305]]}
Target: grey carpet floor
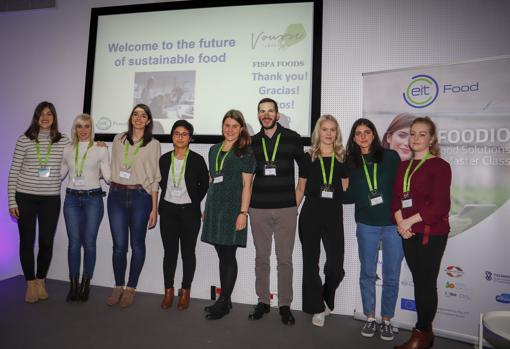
{"points": [[56, 324]]}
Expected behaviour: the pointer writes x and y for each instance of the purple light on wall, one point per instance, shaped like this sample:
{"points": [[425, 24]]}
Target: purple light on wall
{"points": [[9, 236]]}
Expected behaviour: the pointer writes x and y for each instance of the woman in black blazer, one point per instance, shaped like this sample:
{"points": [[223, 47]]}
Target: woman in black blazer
{"points": [[184, 183]]}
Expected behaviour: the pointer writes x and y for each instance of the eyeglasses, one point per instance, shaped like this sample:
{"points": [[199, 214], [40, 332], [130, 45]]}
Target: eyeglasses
{"points": [[183, 134]]}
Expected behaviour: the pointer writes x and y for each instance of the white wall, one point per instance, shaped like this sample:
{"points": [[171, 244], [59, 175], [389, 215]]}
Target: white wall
{"points": [[43, 57]]}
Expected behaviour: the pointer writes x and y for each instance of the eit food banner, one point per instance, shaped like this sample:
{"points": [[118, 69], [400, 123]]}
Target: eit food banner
{"points": [[470, 103]]}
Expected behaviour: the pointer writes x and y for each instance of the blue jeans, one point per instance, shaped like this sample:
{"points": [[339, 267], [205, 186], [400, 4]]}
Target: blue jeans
{"points": [[128, 212], [369, 238], [83, 214]]}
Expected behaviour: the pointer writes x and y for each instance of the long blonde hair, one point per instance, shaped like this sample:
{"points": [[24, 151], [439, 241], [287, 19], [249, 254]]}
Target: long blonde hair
{"points": [[434, 147], [84, 118], [338, 147]]}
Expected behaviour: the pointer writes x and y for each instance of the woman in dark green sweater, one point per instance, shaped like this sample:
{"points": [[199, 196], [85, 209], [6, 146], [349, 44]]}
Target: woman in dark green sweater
{"points": [[372, 173]]}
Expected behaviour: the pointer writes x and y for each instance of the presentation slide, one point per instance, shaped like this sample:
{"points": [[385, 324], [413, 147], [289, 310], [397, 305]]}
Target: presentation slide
{"points": [[196, 64]]}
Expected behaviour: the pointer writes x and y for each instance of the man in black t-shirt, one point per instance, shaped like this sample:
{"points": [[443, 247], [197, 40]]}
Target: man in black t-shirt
{"points": [[273, 208]]}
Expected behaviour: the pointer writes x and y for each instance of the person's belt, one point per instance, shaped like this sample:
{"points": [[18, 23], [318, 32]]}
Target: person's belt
{"points": [[125, 186], [92, 192]]}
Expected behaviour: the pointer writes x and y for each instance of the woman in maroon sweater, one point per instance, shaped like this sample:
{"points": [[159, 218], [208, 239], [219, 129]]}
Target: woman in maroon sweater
{"points": [[421, 202]]}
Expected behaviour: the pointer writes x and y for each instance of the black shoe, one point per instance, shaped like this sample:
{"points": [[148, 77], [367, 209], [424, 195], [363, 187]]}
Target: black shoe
{"points": [[286, 315], [72, 295], [259, 310], [84, 289], [217, 310], [209, 308]]}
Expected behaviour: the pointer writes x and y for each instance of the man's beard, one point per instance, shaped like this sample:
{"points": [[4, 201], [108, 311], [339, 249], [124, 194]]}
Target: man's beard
{"points": [[270, 126]]}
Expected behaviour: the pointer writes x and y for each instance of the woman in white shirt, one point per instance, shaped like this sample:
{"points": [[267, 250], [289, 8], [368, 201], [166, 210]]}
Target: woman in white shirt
{"points": [[132, 200], [86, 163]]}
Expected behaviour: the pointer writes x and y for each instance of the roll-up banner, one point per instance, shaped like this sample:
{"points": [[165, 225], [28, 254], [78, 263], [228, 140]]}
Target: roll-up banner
{"points": [[470, 103]]}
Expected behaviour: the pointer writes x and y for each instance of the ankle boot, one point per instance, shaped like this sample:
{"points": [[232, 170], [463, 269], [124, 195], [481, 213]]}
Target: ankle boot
{"points": [[184, 296], [72, 295], [128, 297], [208, 308], [419, 340], [218, 309], [168, 299], [114, 298], [31, 293], [84, 289], [41, 289], [430, 335]]}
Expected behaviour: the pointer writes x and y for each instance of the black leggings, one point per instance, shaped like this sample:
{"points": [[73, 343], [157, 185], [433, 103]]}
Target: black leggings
{"points": [[320, 221], [179, 223], [44, 210], [424, 262], [228, 269]]}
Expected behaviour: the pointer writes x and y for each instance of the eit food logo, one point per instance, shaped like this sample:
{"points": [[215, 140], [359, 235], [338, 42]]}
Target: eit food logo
{"points": [[421, 92], [453, 271]]}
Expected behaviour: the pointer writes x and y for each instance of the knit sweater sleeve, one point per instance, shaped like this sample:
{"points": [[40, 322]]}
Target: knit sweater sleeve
{"points": [[17, 161]]}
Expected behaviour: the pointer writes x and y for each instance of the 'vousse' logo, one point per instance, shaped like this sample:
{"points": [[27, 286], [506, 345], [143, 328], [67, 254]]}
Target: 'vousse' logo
{"points": [[421, 92]]}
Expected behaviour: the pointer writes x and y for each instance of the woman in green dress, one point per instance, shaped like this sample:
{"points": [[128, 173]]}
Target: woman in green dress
{"points": [[231, 168]]}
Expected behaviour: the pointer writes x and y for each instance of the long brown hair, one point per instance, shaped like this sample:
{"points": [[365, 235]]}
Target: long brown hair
{"points": [[434, 146], [242, 144], [33, 130], [147, 132], [402, 120]]}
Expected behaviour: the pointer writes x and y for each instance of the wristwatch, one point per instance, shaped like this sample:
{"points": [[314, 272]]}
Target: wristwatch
{"points": [[244, 212]]}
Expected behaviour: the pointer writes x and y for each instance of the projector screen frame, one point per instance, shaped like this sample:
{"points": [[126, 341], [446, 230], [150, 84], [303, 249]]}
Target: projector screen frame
{"points": [[316, 69]]}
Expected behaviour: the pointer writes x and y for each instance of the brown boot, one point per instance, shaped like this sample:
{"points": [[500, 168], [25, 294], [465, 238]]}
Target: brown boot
{"points": [[128, 296], [419, 340], [184, 295], [31, 294], [115, 296], [168, 298], [430, 335], [41, 289]]}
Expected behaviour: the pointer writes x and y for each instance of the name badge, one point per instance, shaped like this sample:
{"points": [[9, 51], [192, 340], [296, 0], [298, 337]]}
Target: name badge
{"points": [[218, 179], [43, 172], [326, 192], [79, 181], [269, 169], [176, 191], [124, 174], [375, 199], [407, 201]]}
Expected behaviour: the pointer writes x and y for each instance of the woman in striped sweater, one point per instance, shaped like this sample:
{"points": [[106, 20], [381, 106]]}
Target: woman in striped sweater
{"points": [[34, 194]]}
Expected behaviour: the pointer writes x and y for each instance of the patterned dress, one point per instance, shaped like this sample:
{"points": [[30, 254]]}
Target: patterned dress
{"points": [[224, 199]]}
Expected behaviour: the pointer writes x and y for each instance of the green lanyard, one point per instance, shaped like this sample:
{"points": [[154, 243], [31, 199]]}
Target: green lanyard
{"points": [[274, 150], [79, 172], [222, 160], [129, 161], [407, 176], [330, 170], [181, 172], [39, 157], [370, 187]]}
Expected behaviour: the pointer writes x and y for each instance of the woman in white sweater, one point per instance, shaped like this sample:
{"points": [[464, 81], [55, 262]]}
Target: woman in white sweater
{"points": [[34, 194], [132, 200], [86, 163]]}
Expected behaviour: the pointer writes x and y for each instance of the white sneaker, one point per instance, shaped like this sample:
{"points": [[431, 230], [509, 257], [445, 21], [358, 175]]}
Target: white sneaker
{"points": [[327, 311], [319, 319]]}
